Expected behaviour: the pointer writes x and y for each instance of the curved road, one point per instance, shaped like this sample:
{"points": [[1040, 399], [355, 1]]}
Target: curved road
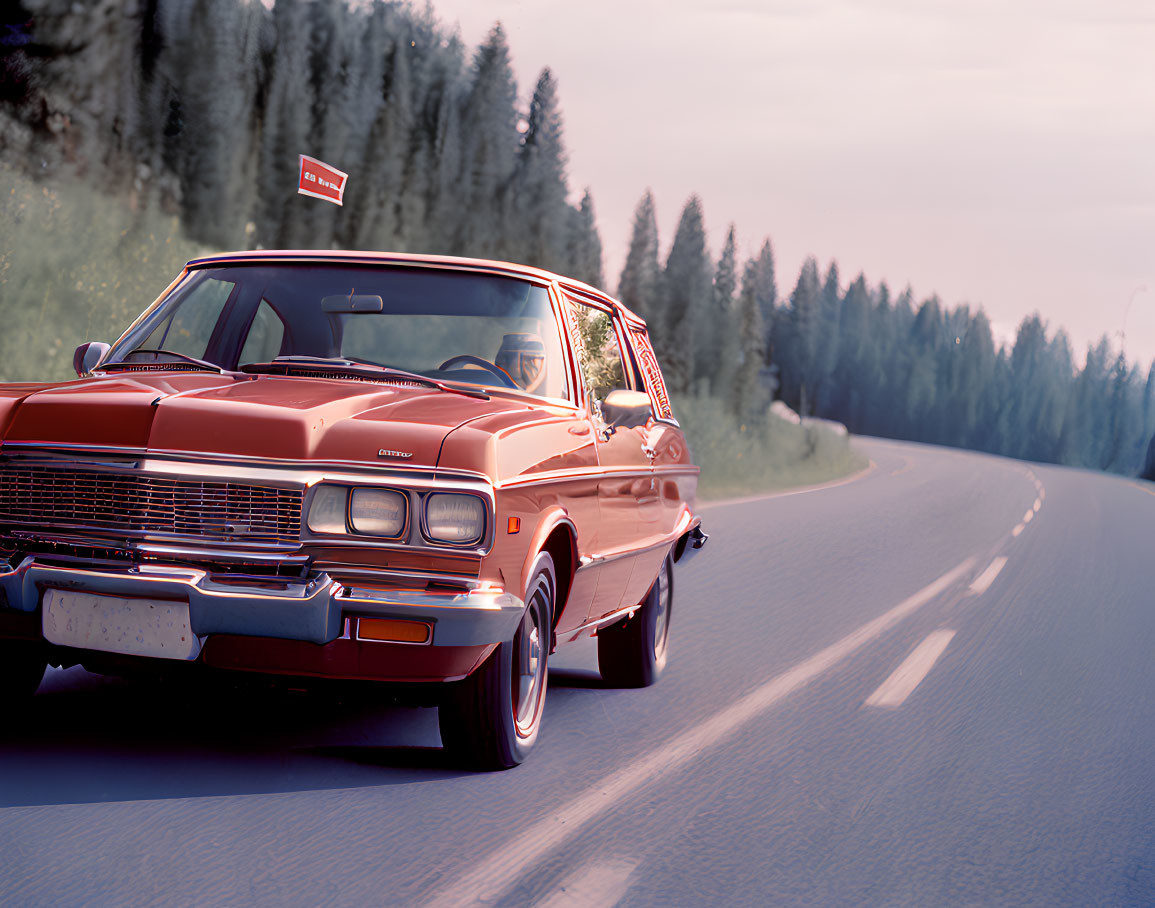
{"points": [[897, 690]]}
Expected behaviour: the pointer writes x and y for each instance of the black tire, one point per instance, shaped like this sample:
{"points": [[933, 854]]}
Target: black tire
{"points": [[491, 719], [22, 666], [633, 651]]}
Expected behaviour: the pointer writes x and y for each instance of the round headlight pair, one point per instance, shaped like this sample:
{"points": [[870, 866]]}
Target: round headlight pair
{"points": [[369, 512]]}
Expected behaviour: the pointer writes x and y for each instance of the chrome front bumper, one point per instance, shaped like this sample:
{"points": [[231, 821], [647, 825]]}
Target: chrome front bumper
{"points": [[312, 609]]}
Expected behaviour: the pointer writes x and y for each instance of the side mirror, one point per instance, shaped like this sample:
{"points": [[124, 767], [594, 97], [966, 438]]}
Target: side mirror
{"points": [[86, 357], [626, 409]]}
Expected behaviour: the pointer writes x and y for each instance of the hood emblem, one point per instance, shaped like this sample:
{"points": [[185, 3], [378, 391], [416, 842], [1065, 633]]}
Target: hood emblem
{"points": [[385, 452]]}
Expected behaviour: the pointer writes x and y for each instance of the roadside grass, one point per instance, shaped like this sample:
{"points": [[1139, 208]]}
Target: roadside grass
{"points": [[75, 266], [760, 455]]}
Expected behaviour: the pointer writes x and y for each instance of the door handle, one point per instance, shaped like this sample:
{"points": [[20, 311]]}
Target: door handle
{"points": [[580, 429]]}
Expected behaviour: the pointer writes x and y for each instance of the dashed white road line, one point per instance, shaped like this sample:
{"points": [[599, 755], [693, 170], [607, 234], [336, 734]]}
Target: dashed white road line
{"points": [[1018, 529], [983, 582], [596, 886], [1029, 516], [493, 875], [1038, 504], [915, 667]]}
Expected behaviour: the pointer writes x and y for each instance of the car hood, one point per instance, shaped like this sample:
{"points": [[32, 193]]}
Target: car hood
{"points": [[284, 417]]}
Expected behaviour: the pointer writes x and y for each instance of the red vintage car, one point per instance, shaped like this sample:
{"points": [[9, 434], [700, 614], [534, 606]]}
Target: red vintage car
{"points": [[391, 468]]}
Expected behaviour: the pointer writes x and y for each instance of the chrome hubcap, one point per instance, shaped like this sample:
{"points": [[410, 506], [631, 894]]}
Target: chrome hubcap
{"points": [[529, 673]]}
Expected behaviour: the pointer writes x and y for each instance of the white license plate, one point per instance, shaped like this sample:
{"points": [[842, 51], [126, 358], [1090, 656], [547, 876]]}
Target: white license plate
{"points": [[111, 624]]}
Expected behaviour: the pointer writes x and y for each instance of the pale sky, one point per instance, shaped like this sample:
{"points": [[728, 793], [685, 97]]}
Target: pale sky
{"points": [[997, 153]]}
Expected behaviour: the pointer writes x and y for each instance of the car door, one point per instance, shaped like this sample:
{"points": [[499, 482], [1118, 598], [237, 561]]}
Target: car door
{"points": [[626, 493], [675, 476]]}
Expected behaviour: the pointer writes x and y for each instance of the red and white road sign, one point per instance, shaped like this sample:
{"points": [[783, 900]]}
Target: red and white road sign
{"points": [[321, 181]]}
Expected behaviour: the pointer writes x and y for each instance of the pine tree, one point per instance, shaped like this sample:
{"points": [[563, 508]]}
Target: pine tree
{"points": [[639, 286], [716, 337], [446, 192], [766, 293], [687, 288], [490, 141], [584, 244], [216, 57], [541, 217], [281, 221], [748, 395], [374, 221], [333, 63], [796, 339], [826, 353]]}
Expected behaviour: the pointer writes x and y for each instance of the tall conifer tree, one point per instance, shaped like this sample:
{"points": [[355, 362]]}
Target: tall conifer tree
{"points": [[541, 216], [489, 141], [584, 244], [639, 284], [687, 287]]}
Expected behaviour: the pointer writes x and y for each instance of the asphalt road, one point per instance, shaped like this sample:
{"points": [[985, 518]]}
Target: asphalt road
{"points": [[891, 691]]}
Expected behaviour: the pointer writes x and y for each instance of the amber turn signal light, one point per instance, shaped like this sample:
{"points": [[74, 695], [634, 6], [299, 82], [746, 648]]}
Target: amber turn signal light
{"points": [[514, 525], [389, 630]]}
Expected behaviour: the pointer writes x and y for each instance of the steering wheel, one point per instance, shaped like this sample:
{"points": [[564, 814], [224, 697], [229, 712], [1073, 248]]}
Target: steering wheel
{"points": [[483, 363]]}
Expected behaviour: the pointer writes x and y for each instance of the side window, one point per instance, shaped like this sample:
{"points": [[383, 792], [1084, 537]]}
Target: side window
{"points": [[266, 334], [189, 328], [655, 384], [598, 351]]}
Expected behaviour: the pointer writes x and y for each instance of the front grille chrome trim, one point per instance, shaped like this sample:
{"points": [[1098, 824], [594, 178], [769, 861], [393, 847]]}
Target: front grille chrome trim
{"points": [[93, 497]]}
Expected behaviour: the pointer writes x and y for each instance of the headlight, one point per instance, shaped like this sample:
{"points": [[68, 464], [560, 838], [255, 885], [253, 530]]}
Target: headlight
{"points": [[377, 512], [457, 519], [327, 511]]}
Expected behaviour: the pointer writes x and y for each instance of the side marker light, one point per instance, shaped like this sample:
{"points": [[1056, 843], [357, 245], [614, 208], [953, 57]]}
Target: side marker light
{"points": [[389, 630]]}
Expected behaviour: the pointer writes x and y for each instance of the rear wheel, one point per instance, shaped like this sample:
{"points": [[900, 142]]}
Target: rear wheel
{"points": [[22, 666], [491, 719], [632, 652]]}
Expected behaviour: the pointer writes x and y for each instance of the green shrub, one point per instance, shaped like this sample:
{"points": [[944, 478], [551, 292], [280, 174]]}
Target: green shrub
{"points": [[755, 456], [75, 266]]}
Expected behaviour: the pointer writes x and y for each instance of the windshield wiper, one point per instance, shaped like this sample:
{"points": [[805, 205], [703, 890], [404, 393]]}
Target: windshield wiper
{"points": [[212, 367], [283, 365]]}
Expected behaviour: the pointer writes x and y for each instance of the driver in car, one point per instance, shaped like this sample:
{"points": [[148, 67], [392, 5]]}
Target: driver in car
{"points": [[522, 358]]}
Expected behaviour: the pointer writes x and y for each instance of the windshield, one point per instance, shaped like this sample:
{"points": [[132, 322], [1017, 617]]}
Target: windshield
{"points": [[449, 326]]}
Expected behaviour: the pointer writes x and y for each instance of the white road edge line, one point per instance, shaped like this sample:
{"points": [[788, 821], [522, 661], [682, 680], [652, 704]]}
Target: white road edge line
{"points": [[494, 875], [915, 667], [786, 493], [595, 886], [984, 580]]}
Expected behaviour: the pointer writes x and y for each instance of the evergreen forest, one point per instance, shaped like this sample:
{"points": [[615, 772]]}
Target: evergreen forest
{"points": [[196, 110]]}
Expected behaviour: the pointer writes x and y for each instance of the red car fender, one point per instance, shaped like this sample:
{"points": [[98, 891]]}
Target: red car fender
{"points": [[553, 518]]}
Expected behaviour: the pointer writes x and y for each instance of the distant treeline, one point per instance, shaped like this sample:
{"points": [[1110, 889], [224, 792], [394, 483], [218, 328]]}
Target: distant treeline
{"points": [[200, 107]]}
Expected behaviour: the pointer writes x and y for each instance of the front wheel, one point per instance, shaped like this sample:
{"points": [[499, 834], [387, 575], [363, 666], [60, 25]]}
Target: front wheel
{"points": [[632, 652], [491, 719]]}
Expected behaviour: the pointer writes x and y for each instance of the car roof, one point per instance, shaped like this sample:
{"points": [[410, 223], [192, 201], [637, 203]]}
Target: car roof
{"points": [[405, 258]]}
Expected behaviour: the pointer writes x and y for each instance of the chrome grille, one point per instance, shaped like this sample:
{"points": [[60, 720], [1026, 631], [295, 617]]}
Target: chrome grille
{"points": [[59, 497]]}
